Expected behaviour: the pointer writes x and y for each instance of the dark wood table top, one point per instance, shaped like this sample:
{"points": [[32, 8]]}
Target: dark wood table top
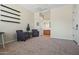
{"points": [[1, 32]]}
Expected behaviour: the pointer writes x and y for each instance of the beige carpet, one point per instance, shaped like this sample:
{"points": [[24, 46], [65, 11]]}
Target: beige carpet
{"points": [[41, 46]]}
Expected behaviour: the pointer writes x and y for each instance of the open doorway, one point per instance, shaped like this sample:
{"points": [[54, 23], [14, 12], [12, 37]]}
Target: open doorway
{"points": [[43, 19], [46, 28], [45, 23]]}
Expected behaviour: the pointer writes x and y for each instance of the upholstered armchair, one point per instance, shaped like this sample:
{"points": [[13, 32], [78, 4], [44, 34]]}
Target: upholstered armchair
{"points": [[35, 33], [21, 36]]}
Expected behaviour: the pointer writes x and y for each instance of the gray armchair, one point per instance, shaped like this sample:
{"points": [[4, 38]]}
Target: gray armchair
{"points": [[35, 33], [21, 36]]}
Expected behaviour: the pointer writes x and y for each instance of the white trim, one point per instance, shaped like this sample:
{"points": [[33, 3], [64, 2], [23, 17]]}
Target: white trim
{"points": [[8, 42], [62, 38]]}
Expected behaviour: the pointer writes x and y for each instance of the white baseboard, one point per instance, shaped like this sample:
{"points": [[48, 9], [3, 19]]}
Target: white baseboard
{"points": [[62, 38], [8, 42]]}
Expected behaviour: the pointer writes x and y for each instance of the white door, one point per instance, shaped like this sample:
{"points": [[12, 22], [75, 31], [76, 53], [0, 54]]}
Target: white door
{"points": [[76, 24]]}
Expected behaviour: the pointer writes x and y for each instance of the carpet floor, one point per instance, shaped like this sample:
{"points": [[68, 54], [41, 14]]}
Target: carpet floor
{"points": [[41, 46]]}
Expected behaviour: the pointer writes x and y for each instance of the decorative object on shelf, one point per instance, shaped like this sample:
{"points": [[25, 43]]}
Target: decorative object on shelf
{"points": [[28, 28]]}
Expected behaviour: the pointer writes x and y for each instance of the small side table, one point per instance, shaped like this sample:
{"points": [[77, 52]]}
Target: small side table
{"points": [[2, 39]]}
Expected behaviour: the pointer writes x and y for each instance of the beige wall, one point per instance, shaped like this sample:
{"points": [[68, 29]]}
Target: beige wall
{"points": [[10, 28], [61, 22]]}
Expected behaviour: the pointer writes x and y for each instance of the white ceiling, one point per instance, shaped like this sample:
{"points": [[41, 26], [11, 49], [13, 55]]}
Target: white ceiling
{"points": [[40, 7]]}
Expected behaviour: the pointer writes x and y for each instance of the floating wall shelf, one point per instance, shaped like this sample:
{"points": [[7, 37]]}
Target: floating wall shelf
{"points": [[10, 8], [10, 12], [10, 21], [10, 17]]}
